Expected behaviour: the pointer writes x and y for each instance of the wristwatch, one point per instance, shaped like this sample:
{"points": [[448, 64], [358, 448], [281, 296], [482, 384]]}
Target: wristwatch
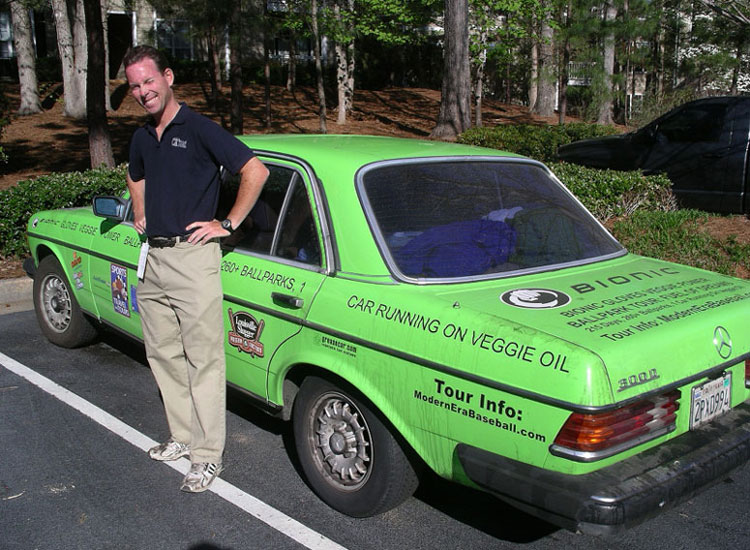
{"points": [[227, 224]]}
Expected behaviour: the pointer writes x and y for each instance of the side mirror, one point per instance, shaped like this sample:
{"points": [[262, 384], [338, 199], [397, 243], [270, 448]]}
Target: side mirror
{"points": [[645, 136], [113, 208]]}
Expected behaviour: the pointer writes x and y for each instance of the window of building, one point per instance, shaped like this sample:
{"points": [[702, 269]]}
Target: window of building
{"points": [[174, 38]]}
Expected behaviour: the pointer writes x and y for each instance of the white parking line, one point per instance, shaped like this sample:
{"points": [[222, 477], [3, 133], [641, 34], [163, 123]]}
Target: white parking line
{"points": [[265, 513]]}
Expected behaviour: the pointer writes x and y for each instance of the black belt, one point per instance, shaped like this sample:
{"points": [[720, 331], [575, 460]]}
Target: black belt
{"points": [[166, 242]]}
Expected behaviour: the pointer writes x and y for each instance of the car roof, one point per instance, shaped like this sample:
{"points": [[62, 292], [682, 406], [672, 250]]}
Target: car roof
{"points": [[360, 149], [335, 160]]}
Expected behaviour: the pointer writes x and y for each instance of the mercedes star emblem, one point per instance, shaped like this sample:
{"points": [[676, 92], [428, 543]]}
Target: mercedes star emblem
{"points": [[723, 342]]}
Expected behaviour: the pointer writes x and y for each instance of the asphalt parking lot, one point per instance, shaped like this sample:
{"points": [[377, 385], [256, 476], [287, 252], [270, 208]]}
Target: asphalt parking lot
{"points": [[74, 425]]}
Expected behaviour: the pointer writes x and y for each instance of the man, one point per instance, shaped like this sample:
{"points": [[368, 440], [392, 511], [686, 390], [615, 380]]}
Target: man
{"points": [[173, 178]]}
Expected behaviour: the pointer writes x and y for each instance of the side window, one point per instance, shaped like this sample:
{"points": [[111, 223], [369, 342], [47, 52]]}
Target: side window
{"points": [[698, 123], [299, 239], [256, 232], [280, 224]]}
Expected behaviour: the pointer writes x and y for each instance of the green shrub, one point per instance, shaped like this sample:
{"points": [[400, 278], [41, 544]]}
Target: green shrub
{"points": [[678, 236], [67, 190], [609, 193], [539, 142]]}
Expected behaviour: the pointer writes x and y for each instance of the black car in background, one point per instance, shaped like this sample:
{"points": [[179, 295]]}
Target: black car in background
{"points": [[702, 146]]}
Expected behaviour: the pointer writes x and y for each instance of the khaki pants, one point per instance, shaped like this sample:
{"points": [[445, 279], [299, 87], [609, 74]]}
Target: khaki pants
{"points": [[180, 300]]}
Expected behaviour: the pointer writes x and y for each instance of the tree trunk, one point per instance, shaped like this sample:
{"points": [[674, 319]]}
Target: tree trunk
{"points": [[80, 48], [565, 16], [214, 66], [71, 44], [23, 43], [534, 71], [318, 67], [235, 36], [105, 39], [564, 76], [267, 75], [545, 104], [605, 110], [344, 79], [344, 64], [656, 80], [455, 100], [479, 80], [736, 70], [291, 75], [100, 145], [341, 81]]}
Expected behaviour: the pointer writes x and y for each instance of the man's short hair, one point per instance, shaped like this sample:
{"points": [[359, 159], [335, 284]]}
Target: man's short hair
{"points": [[139, 53]]}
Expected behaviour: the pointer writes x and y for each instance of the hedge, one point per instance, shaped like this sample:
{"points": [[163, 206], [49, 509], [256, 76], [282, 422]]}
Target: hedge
{"points": [[537, 142], [63, 190], [608, 193]]}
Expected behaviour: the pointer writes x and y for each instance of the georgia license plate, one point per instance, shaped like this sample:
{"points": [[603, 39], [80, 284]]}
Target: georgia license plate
{"points": [[710, 399]]}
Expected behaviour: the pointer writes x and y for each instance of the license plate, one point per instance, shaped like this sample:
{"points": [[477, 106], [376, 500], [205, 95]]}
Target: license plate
{"points": [[710, 399]]}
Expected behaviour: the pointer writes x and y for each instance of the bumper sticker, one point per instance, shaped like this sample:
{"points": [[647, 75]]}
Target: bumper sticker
{"points": [[119, 285]]}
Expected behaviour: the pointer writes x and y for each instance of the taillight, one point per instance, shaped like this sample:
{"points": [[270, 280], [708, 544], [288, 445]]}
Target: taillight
{"points": [[590, 436], [747, 373]]}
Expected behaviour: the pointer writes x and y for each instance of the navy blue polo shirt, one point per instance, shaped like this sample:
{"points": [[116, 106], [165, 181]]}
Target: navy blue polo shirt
{"points": [[182, 170]]}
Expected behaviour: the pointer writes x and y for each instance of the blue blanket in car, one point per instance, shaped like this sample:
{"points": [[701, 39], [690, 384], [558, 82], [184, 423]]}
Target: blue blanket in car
{"points": [[459, 249]]}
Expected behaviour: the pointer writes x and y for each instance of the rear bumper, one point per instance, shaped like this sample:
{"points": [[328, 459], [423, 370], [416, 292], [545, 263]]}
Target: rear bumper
{"points": [[623, 494]]}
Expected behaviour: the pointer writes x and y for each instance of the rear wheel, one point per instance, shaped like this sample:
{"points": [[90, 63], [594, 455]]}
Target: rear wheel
{"points": [[57, 311], [350, 458]]}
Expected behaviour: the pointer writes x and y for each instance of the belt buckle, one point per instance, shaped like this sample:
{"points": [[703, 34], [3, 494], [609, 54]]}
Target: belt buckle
{"points": [[162, 242]]}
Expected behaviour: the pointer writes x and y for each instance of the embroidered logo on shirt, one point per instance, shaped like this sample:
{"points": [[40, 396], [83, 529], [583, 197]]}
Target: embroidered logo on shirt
{"points": [[181, 143]]}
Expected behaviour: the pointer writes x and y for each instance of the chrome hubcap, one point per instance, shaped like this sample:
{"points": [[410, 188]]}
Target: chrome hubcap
{"points": [[57, 303], [342, 447]]}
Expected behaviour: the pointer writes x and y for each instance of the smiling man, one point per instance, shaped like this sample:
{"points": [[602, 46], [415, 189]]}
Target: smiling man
{"points": [[173, 178]]}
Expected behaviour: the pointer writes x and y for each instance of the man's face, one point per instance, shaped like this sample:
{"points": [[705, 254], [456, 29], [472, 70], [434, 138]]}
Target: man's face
{"points": [[149, 86]]}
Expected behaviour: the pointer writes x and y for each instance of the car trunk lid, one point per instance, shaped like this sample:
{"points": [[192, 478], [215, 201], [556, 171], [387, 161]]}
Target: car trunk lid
{"points": [[615, 329]]}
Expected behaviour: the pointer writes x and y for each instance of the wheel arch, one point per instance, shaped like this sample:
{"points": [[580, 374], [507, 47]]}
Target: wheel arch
{"points": [[44, 250], [295, 377]]}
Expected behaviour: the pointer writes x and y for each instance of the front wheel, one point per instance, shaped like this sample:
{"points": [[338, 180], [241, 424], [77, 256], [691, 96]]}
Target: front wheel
{"points": [[57, 311], [350, 458]]}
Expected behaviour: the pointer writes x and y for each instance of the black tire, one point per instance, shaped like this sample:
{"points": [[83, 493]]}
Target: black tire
{"points": [[57, 310], [349, 456]]}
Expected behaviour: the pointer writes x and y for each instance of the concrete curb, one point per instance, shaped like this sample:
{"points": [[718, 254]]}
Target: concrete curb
{"points": [[15, 294]]}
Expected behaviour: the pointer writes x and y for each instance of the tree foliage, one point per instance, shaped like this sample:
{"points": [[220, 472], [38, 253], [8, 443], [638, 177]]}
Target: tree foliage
{"points": [[598, 59]]}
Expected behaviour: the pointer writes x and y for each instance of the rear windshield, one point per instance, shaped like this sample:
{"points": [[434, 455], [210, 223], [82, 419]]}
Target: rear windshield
{"points": [[477, 218]]}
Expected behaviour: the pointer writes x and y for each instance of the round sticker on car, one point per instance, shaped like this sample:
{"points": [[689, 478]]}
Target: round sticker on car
{"points": [[535, 298]]}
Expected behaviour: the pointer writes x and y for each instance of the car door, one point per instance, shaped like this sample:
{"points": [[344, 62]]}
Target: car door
{"points": [[692, 146], [113, 265], [272, 267]]}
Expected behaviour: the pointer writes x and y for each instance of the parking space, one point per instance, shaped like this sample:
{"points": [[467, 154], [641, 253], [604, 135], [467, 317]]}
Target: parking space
{"points": [[70, 480]]}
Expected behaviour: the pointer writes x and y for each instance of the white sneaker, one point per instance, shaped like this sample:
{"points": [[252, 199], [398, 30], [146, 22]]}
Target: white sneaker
{"points": [[200, 477], [170, 450]]}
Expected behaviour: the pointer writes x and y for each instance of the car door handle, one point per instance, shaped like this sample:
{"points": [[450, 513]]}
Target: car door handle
{"points": [[287, 300]]}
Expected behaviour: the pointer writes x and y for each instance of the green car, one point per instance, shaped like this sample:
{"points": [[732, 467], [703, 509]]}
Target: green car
{"points": [[411, 304]]}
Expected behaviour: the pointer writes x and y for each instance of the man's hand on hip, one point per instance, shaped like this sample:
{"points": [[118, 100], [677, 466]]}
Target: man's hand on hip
{"points": [[205, 231]]}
